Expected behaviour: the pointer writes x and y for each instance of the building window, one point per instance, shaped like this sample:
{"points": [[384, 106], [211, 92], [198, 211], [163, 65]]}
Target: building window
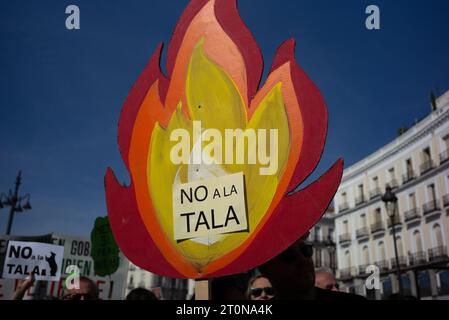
{"points": [[409, 165], [365, 256], [446, 142], [318, 261], [377, 215], [412, 201], [400, 247], [417, 240], [375, 191], [392, 178], [317, 236], [431, 192], [345, 227], [426, 156], [348, 259], [344, 202], [363, 220], [382, 255], [409, 172], [438, 236], [331, 235], [360, 196], [427, 163], [443, 283]]}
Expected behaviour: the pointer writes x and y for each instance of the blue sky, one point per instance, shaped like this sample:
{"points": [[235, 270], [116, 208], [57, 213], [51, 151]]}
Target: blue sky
{"points": [[61, 91]]}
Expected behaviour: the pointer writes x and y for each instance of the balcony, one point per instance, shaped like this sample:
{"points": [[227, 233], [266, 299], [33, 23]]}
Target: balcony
{"points": [[446, 200], [426, 166], [409, 176], [344, 238], [359, 200], [343, 207], [438, 253], [397, 221], [377, 227], [362, 269], [362, 233], [430, 207], [375, 193], [346, 273], [402, 262], [417, 258], [444, 156], [383, 265], [393, 183], [412, 215]]}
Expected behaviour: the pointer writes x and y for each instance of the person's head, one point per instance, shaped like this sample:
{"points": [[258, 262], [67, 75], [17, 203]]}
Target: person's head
{"points": [[141, 294], [292, 273], [88, 290], [324, 279], [260, 288]]}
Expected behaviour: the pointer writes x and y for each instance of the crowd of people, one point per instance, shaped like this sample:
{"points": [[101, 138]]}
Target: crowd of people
{"points": [[289, 276]]}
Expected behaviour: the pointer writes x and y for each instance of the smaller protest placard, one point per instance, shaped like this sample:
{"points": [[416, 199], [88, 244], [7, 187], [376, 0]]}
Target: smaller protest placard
{"points": [[209, 207], [44, 260]]}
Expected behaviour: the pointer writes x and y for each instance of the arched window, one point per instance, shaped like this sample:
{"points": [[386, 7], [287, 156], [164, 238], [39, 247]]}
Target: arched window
{"points": [[418, 242], [348, 259], [400, 247], [365, 255], [438, 236], [381, 253]]}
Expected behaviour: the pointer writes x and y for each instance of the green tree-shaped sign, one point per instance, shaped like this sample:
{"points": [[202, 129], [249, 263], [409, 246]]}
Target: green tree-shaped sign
{"points": [[105, 251]]}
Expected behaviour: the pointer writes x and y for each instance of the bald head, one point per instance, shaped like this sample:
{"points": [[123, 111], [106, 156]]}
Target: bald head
{"points": [[325, 279]]}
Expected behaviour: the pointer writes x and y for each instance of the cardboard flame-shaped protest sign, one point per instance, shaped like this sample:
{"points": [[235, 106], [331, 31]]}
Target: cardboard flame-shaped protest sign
{"points": [[213, 157]]}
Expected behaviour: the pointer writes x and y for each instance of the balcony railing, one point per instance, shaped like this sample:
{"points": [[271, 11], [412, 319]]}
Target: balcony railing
{"points": [[393, 183], [417, 258], [346, 237], [375, 193], [383, 265], [438, 253], [412, 214], [359, 200], [444, 156], [402, 262], [343, 207], [346, 273], [362, 269], [362, 233], [377, 226], [446, 200], [426, 166], [407, 177], [430, 207]]}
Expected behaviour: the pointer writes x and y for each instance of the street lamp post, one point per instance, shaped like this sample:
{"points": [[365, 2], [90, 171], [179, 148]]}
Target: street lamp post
{"points": [[390, 200], [14, 201]]}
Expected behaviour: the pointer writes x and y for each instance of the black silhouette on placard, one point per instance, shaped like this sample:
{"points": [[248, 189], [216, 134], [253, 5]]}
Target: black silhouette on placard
{"points": [[52, 263]]}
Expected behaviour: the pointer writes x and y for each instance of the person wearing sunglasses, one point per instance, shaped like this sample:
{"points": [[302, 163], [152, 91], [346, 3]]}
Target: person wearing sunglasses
{"points": [[292, 275], [260, 288]]}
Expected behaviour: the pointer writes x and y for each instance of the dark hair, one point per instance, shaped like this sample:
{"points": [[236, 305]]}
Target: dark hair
{"points": [[251, 281], [141, 294], [93, 289]]}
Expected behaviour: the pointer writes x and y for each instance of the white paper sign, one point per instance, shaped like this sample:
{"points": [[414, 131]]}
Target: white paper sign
{"points": [[209, 207], [44, 260]]}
